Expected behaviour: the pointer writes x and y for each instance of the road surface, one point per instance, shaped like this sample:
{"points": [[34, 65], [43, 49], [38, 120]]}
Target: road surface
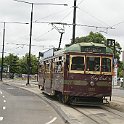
{"points": [[18, 106]]}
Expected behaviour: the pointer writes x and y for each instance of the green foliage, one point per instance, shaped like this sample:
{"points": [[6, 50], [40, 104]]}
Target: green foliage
{"points": [[24, 64], [99, 38], [19, 65], [12, 62], [92, 37], [120, 69]]}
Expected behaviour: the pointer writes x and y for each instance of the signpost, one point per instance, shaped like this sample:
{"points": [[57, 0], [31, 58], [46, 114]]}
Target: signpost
{"points": [[111, 43]]}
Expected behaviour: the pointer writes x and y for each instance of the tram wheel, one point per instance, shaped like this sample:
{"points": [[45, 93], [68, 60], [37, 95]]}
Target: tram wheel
{"points": [[65, 99]]}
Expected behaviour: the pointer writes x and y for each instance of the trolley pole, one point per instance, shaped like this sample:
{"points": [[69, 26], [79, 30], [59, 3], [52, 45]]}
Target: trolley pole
{"points": [[3, 52], [74, 22]]}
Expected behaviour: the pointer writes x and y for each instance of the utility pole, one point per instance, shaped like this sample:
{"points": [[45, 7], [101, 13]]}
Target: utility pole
{"points": [[31, 21], [29, 59], [3, 52], [4, 23], [74, 22]]}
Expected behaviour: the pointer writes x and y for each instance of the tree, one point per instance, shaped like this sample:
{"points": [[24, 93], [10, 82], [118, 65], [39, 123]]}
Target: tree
{"points": [[99, 38], [19, 65], [92, 37], [11, 61], [24, 64]]}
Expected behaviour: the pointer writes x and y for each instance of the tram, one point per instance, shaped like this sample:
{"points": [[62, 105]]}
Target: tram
{"points": [[78, 74]]}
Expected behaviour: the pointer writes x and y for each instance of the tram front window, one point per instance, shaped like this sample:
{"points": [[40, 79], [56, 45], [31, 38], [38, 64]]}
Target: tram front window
{"points": [[77, 63], [106, 65], [93, 64]]}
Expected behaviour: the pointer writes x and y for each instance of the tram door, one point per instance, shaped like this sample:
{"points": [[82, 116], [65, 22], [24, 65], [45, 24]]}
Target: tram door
{"points": [[51, 74]]}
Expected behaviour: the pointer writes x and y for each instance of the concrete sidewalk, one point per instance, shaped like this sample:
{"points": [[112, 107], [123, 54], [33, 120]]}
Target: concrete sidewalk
{"points": [[117, 97]]}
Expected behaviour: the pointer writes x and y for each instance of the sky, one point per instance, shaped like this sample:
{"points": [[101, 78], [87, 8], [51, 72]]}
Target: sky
{"points": [[97, 13]]}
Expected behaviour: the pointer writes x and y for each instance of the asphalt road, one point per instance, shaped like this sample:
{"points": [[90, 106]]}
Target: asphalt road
{"points": [[18, 106], [118, 92]]}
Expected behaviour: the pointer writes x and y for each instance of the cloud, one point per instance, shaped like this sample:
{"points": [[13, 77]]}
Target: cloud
{"points": [[96, 12]]}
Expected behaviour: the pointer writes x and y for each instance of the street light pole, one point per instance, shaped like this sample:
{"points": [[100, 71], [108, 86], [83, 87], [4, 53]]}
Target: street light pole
{"points": [[2, 61], [3, 52], [29, 59], [74, 22], [31, 21]]}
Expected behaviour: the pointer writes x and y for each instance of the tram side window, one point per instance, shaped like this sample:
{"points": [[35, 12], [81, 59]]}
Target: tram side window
{"points": [[93, 64], [58, 67], [106, 65], [47, 68], [77, 63]]}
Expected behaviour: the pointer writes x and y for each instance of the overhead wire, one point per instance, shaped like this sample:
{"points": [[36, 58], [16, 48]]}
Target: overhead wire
{"points": [[117, 24], [42, 35], [80, 2], [51, 15], [94, 17]]}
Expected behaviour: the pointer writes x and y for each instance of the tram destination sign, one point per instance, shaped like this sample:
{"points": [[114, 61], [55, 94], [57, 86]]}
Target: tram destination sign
{"points": [[94, 49]]}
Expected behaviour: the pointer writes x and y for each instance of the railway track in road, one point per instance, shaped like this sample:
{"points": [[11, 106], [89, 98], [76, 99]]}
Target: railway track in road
{"points": [[101, 115]]}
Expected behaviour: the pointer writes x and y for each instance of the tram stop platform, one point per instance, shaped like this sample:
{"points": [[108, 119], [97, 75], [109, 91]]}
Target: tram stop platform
{"points": [[117, 101]]}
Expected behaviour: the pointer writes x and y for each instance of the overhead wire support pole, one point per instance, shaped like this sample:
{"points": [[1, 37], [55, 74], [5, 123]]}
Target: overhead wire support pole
{"points": [[2, 61], [29, 59], [31, 22], [74, 22], [3, 52]]}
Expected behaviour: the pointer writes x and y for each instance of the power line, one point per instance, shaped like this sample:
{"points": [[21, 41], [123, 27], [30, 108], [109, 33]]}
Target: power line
{"points": [[94, 17], [80, 2], [117, 24], [43, 34], [51, 15], [40, 3], [26, 45], [84, 25], [66, 15]]}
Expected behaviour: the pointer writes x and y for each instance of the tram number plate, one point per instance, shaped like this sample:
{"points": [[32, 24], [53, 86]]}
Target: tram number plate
{"points": [[91, 89]]}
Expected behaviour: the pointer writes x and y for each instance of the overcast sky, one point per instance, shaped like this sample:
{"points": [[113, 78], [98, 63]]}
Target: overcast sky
{"points": [[99, 13]]}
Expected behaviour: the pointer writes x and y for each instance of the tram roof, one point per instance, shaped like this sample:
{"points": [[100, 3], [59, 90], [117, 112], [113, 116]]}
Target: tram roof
{"points": [[78, 47]]}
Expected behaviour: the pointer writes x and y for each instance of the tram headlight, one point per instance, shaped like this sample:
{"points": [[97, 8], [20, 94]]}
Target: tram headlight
{"points": [[92, 83]]}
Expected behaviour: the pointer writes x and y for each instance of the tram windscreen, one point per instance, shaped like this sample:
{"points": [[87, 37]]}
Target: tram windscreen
{"points": [[77, 63], [106, 65], [93, 63]]}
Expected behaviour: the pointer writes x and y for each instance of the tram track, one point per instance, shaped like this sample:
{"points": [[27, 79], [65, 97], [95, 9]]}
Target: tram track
{"points": [[114, 111], [101, 115], [93, 119]]}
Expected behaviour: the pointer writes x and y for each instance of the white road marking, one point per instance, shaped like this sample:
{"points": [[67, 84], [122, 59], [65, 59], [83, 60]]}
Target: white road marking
{"points": [[10, 88], [4, 100], [1, 92], [3, 96], [4, 107], [1, 118], [52, 120]]}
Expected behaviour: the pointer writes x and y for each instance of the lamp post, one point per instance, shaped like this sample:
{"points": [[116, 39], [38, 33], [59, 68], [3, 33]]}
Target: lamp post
{"points": [[2, 61], [74, 22], [2, 53], [31, 21]]}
